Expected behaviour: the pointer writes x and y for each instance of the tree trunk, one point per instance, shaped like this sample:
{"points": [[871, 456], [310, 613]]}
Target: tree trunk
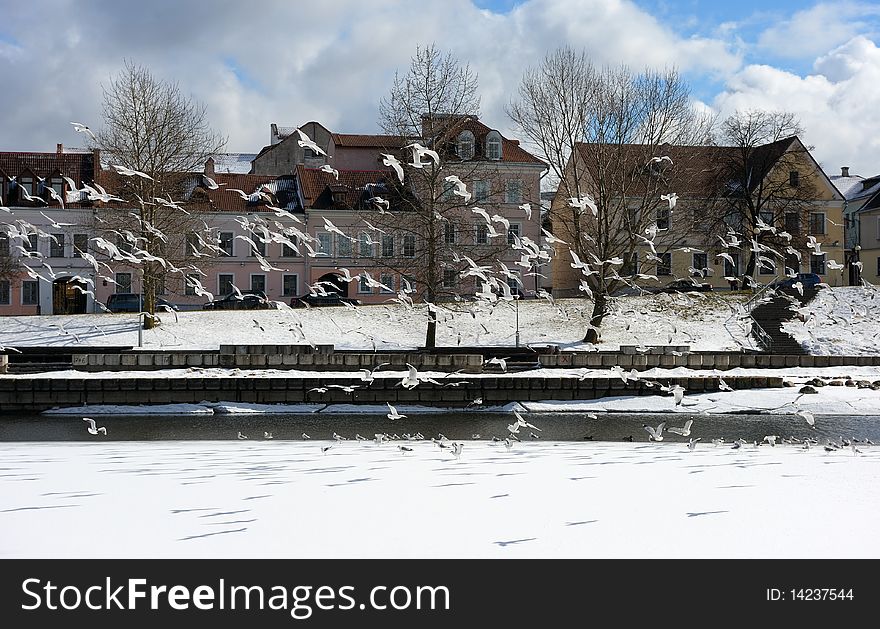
{"points": [[431, 333], [600, 310]]}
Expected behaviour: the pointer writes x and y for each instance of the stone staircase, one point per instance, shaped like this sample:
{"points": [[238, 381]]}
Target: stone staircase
{"points": [[770, 314]]}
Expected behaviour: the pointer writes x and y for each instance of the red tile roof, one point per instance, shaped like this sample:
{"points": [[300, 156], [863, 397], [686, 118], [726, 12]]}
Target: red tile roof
{"points": [[78, 166], [315, 181], [354, 140]]}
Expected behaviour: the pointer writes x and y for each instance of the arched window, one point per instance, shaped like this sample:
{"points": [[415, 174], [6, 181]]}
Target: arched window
{"points": [[493, 145], [465, 145]]}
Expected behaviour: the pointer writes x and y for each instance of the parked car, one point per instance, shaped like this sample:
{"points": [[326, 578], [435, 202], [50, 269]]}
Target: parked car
{"points": [[683, 286], [807, 280], [247, 300], [330, 299], [133, 302]]}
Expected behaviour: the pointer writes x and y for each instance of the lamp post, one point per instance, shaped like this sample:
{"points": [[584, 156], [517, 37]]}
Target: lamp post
{"points": [[516, 302]]}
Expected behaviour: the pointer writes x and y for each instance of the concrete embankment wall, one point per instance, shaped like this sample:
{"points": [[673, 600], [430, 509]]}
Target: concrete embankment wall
{"points": [[37, 394]]}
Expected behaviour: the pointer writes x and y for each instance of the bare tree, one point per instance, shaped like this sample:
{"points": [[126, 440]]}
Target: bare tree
{"points": [[766, 184], [151, 127], [430, 104], [603, 132], [9, 265]]}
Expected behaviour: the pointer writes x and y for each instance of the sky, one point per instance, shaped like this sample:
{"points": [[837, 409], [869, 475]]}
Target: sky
{"points": [[289, 62]]}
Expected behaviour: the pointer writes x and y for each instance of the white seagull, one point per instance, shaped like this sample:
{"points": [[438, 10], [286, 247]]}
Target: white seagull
{"points": [[81, 128], [411, 379], [307, 142], [92, 429], [685, 431], [327, 168], [655, 434], [670, 198], [390, 160], [129, 172], [393, 414]]}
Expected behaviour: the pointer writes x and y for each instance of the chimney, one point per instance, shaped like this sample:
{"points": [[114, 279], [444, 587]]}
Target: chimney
{"points": [[844, 171], [59, 149], [209, 167]]}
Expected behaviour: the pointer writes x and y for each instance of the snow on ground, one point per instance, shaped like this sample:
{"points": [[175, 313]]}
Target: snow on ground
{"points": [[648, 319], [840, 321], [287, 499], [244, 408]]}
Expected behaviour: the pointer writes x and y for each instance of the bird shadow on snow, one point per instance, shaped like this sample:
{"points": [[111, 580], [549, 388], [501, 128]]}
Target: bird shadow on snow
{"points": [[515, 541]]}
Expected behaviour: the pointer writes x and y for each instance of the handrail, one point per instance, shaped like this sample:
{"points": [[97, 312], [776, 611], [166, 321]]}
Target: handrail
{"points": [[749, 304], [763, 338]]}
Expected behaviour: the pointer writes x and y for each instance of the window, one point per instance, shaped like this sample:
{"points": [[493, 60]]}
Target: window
{"points": [[630, 264], [493, 145], [513, 233], [731, 269], [817, 264], [123, 282], [513, 283], [4, 245], [258, 282], [664, 265], [191, 245], [450, 277], [793, 178], [58, 185], [289, 252], [289, 285], [224, 283], [365, 245], [766, 266], [481, 234], [363, 286], [663, 217], [387, 280], [766, 217], [387, 245], [409, 246], [701, 262], [343, 244], [31, 243], [481, 190], [448, 194], [465, 145], [513, 191], [817, 223], [4, 292], [189, 284], [793, 223], [449, 233], [80, 244], [325, 243], [56, 246], [27, 184], [226, 242], [30, 292], [408, 279], [261, 247]]}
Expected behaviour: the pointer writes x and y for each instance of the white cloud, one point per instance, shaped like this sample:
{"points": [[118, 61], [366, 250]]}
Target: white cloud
{"points": [[327, 61], [837, 104], [815, 30]]}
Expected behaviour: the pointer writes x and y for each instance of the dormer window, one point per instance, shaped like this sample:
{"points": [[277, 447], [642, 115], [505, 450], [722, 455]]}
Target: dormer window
{"points": [[465, 145], [493, 145]]}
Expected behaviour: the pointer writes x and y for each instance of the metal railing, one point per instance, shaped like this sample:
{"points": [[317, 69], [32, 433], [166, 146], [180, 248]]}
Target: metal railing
{"points": [[761, 334], [751, 301]]}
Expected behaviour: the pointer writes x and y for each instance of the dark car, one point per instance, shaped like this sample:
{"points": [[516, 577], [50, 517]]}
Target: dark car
{"points": [[330, 299], [133, 302], [807, 280], [247, 300], [683, 286]]}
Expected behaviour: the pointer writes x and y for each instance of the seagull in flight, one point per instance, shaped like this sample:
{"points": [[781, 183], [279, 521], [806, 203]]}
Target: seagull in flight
{"points": [[241, 436], [92, 429], [655, 434], [327, 168], [390, 160], [418, 152], [307, 142], [670, 198], [685, 431], [129, 172], [305, 436], [659, 160], [81, 128], [692, 443], [393, 414], [411, 379], [210, 184], [808, 416]]}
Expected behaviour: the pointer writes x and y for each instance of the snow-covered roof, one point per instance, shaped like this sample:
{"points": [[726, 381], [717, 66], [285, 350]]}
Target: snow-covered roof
{"points": [[233, 163]]}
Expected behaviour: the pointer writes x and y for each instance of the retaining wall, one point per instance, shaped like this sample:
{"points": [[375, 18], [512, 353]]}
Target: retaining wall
{"points": [[37, 394]]}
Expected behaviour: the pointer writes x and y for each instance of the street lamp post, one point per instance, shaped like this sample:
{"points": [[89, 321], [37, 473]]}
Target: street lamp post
{"points": [[516, 302]]}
